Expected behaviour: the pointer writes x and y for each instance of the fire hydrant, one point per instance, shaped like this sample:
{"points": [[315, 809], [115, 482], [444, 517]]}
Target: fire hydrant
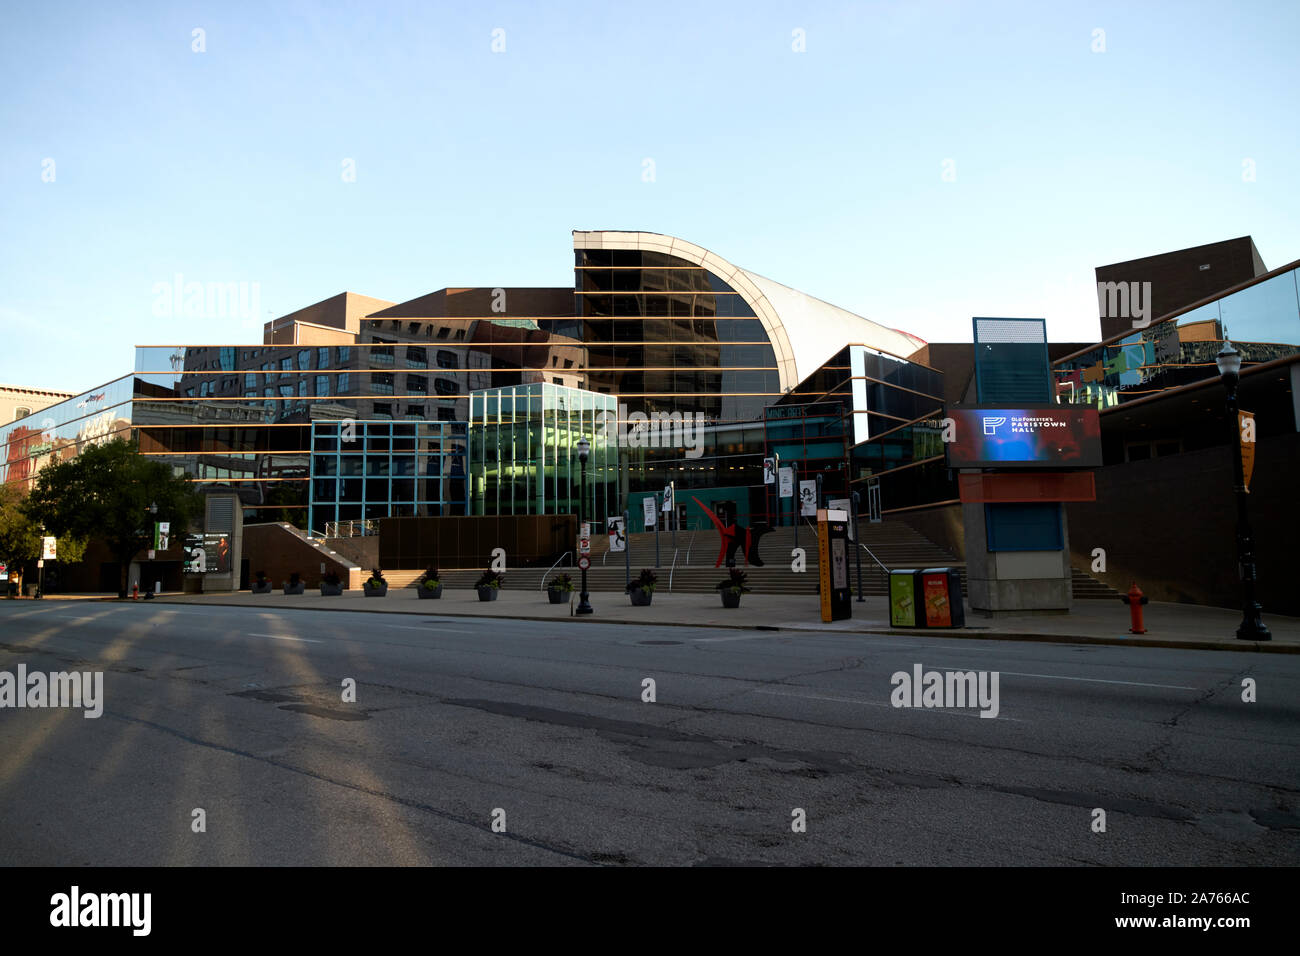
{"points": [[1135, 599], [135, 592]]}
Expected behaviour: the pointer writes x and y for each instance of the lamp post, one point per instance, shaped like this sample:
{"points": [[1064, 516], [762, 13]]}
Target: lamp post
{"points": [[584, 449], [1252, 627]]}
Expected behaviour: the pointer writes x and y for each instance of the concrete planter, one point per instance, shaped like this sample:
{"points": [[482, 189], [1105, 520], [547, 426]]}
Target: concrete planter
{"points": [[299, 588], [262, 588], [730, 598], [428, 593], [488, 593], [372, 590], [331, 590], [640, 597], [558, 595]]}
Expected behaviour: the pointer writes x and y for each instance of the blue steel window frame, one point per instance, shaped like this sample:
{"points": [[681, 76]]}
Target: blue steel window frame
{"points": [[451, 465]]}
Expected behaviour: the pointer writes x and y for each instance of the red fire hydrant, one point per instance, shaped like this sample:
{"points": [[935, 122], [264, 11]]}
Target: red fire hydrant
{"points": [[1135, 599], [135, 592]]}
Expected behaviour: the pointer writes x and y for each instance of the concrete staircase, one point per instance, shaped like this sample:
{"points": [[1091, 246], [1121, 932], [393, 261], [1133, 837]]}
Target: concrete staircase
{"points": [[689, 569]]}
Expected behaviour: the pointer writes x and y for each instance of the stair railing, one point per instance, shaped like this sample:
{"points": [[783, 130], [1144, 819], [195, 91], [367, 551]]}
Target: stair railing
{"points": [[672, 569], [567, 554]]}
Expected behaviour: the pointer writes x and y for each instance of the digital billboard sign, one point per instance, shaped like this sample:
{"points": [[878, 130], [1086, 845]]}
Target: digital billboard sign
{"points": [[1051, 436]]}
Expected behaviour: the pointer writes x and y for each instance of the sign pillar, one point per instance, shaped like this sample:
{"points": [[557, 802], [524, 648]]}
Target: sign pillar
{"points": [[833, 565]]}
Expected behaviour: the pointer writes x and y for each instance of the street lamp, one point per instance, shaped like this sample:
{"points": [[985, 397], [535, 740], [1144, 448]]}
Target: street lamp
{"points": [[584, 449], [1252, 627]]}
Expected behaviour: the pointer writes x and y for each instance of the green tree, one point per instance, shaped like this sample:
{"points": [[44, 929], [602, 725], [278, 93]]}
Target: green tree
{"points": [[112, 492], [20, 535]]}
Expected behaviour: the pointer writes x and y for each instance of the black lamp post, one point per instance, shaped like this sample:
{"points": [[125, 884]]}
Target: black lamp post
{"points": [[1252, 627], [584, 449]]}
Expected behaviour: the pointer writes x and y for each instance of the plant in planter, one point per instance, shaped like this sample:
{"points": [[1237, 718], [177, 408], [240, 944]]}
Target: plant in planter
{"points": [[331, 585], [643, 588], [559, 589], [430, 584], [295, 584], [261, 583], [376, 586], [489, 585], [732, 587]]}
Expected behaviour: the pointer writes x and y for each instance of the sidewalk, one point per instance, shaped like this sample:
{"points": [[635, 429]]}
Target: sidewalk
{"points": [[1090, 622]]}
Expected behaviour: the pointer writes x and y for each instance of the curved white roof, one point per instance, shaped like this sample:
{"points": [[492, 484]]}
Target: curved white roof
{"points": [[804, 331]]}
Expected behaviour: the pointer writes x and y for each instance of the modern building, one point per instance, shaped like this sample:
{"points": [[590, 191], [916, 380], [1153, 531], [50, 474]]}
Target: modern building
{"points": [[17, 402], [655, 330], [682, 368]]}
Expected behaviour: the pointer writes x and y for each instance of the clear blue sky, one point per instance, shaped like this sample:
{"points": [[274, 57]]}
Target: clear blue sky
{"points": [[821, 169]]}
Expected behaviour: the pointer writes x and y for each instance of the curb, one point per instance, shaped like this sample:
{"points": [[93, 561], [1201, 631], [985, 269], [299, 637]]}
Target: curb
{"points": [[1266, 647]]}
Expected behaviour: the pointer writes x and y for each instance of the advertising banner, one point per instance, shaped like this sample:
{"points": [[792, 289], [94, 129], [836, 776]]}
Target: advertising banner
{"points": [[787, 481], [1247, 447], [617, 533], [808, 498], [648, 507], [1052, 436], [769, 471]]}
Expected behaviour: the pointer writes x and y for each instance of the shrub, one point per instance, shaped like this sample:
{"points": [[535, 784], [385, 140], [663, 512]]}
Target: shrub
{"points": [[430, 579], [260, 576], [331, 578], [490, 579], [376, 578], [294, 579], [734, 581], [646, 580], [561, 582]]}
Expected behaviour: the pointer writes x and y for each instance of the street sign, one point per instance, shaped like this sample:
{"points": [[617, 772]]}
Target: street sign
{"points": [[769, 471], [49, 549], [617, 533], [787, 481], [584, 563], [4, 571], [648, 506], [584, 545], [808, 498]]}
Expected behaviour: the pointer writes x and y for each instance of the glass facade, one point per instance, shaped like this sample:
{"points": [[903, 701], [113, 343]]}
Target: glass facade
{"points": [[377, 469], [1262, 320], [523, 442], [60, 431]]}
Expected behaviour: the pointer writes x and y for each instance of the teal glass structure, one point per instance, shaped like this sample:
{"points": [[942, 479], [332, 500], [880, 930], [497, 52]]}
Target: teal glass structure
{"points": [[377, 469], [523, 451]]}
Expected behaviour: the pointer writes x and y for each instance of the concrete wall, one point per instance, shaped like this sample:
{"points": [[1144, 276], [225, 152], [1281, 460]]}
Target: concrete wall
{"points": [[941, 525], [1170, 524], [1005, 582], [362, 551], [279, 549]]}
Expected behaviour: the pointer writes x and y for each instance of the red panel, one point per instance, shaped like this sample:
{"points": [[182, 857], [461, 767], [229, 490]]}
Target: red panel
{"points": [[1028, 486]]}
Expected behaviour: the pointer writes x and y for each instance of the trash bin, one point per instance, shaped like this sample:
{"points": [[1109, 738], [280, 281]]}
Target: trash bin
{"points": [[941, 597], [903, 593]]}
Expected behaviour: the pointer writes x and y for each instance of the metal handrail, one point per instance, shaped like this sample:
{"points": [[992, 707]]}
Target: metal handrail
{"points": [[672, 569], [567, 554], [689, 545], [873, 557]]}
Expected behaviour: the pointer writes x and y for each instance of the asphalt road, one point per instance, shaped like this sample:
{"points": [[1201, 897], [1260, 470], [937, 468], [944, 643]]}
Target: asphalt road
{"points": [[239, 712]]}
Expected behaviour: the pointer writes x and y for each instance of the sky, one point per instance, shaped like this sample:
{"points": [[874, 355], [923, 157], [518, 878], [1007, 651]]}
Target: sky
{"points": [[916, 163]]}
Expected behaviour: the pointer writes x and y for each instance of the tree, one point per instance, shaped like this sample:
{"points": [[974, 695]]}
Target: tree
{"points": [[112, 492], [20, 535]]}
